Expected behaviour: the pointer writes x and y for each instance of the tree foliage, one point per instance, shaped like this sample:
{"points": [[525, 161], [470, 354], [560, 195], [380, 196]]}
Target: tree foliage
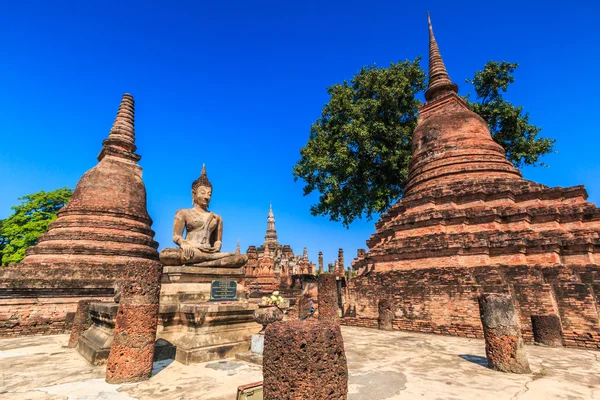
{"points": [[508, 124], [28, 221], [358, 151]]}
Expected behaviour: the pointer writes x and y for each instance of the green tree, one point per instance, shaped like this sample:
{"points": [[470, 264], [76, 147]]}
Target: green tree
{"points": [[358, 151], [508, 124], [28, 221]]}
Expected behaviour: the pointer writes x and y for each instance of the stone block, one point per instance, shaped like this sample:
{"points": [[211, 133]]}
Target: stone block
{"points": [[547, 330], [304, 360], [328, 298], [81, 322], [386, 315], [502, 332]]}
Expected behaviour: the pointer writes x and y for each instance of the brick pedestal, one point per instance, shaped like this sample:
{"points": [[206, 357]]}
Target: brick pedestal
{"points": [[328, 305], [81, 322], [132, 351], [547, 330], [386, 315], [503, 343], [304, 360]]}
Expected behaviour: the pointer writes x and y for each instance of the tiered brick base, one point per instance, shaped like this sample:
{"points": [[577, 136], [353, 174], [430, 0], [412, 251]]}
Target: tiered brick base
{"points": [[304, 360], [444, 300]]}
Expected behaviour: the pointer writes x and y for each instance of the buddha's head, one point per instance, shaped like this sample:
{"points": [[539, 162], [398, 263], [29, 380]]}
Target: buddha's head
{"points": [[202, 190]]}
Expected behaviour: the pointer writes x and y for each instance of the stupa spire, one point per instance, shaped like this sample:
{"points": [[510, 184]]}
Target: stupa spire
{"points": [[121, 139], [439, 80], [271, 236]]}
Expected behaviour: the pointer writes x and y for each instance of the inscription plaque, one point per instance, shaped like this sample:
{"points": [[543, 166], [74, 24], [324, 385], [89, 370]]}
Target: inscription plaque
{"points": [[223, 290]]}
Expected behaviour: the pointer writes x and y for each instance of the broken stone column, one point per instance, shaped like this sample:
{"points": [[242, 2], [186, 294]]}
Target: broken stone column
{"points": [[132, 351], [303, 306], [320, 262], [503, 343], [547, 330], [81, 322], [328, 304], [304, 360], [386, 315]]}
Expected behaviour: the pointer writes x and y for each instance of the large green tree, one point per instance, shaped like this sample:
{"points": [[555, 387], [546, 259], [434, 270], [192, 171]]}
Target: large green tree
{"points": [[28, 221], [358, 152]]}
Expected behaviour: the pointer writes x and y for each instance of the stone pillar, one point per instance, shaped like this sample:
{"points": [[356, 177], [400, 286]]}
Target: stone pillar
{"points": [[320, 262], [341, 266], [349, 275], [328, 304], [386, 315], [304, 360], [132, 351], [81, 322], [503, 343], [547, 330], [303, 306]]}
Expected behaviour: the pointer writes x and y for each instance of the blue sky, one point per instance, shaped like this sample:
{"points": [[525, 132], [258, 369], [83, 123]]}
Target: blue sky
{"points": [[236, 85]]}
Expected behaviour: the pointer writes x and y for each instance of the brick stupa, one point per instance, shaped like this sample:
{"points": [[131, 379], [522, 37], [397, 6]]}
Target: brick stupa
{"points": [[469, 223], [104, 225]]}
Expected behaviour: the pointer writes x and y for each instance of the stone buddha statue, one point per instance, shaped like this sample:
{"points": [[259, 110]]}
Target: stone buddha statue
{"points": [[201, 245]]}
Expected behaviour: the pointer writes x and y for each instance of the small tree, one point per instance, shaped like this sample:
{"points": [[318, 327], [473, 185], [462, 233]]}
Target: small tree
{"points": [[358, 152], [29, 220]]}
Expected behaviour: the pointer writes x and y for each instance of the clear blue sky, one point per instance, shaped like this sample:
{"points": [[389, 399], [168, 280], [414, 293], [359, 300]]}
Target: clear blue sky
{"points": [[236, 85]]}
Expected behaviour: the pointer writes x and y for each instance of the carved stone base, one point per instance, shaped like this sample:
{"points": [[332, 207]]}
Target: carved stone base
{"points": [[209, 331], [94, 344]]}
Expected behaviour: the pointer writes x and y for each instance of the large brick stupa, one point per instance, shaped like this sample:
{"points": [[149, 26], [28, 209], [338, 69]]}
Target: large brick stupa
{"points": [[469, 223], [104, 226]]}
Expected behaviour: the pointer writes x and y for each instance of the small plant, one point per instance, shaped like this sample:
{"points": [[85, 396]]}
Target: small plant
{"points": [[275, 300]]}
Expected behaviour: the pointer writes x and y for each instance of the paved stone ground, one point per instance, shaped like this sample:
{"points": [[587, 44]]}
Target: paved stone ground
{"points": [[383, 365]]}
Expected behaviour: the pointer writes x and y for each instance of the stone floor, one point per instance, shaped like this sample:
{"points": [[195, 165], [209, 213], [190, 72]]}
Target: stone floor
{"points": [[382, 365]]}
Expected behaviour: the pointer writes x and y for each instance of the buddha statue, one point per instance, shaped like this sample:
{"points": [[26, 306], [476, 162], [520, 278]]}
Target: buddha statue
{"points": [[201, 246]]}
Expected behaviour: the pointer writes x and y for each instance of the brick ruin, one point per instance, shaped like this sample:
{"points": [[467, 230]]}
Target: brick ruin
{"points": [[272, 265], [104, 225], [468, 223]]}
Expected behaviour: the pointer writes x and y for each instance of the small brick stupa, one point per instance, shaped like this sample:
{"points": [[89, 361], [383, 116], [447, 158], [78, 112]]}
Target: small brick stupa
{"points": [[104, 225], [469, 223]]}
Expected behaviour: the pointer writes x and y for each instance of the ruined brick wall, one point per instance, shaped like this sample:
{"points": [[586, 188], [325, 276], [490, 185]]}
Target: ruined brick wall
{"points": [[444, 300], [26, 316]]}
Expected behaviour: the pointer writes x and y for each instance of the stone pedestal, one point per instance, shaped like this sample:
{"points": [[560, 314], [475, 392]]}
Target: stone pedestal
{"points": [[94, 344], [304, 360], [503, 343], [547, 330], [200, 329]]}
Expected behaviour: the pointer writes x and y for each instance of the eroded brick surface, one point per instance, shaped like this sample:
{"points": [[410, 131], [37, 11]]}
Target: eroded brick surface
{"points": [[547, 329], [328, 298], [304, 360]]}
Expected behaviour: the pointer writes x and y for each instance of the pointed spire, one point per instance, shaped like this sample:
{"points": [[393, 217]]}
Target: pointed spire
{"points": [[267, 252], [202, 180], [439, 80], [237, 248], [121, 139], [305, 254], [271, 210]]}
